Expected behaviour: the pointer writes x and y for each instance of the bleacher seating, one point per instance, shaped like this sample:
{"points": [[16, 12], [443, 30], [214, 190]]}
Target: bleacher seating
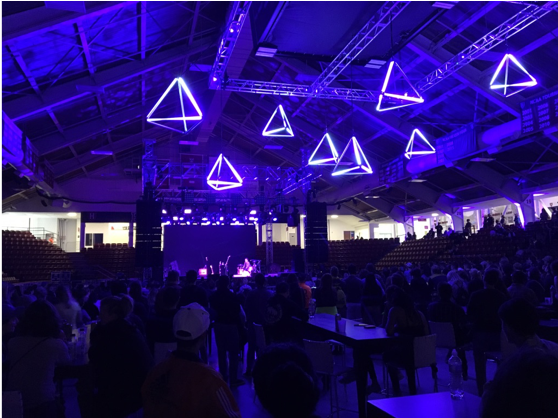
{"points": [[282, 253], [30, 259], [415, 251], [116, 258], [360, 252]]}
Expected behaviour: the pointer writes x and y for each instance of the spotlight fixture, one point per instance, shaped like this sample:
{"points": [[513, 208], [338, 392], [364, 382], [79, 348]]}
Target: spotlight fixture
{"points": [[281, 127], [253, 212], [435, 215], [334, 216], [187, 211]]}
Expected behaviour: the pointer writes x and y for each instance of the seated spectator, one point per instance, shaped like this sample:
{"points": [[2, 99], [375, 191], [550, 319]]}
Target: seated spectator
{"points": [[524, 386], [372, 300], [404, 320], [68, 309], [520, 323], [81, 295], [518, 288], [447, 311], [419, 290], [296, 294], [181, 385], [192, 293], [327, 296], [285, 382], [33, 356], [482, 313], [280, 312], [120, 359], [306, 289], [337, 284], [535, 284], [352, 286]]}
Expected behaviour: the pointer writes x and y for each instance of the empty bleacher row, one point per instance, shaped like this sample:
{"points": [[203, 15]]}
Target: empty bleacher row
{"points": [[415, 251], [30, 259], [116, 258], [360, 252]]}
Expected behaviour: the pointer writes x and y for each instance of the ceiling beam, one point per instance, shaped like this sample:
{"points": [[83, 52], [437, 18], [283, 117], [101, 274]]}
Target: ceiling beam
{"points": [[64, 93]]}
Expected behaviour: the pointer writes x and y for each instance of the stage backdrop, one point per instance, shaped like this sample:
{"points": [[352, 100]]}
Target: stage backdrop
{"points": [[190, 244]]}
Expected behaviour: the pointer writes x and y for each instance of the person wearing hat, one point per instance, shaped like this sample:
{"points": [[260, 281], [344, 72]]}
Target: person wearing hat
{"points": [[182, 385]]}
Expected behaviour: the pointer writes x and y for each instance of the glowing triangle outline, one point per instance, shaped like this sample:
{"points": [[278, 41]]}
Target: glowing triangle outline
{"points": [[286, 125], [182, 89], [325, 161], [221, 184], [412, 100], [506, 61], [361, 161], [409, 150]]}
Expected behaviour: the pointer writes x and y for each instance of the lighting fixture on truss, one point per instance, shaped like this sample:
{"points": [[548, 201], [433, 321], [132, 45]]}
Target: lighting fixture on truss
{"points": [[278, 124], [397, 90], [352, 161], [511, 77], [325, 153], [168, 114], [423, 142], [223, 176]]}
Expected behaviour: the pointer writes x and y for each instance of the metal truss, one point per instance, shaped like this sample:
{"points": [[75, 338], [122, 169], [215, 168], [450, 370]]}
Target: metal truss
{"points": [[387, 13], [299, 90], [510, 27], [237, 17]]}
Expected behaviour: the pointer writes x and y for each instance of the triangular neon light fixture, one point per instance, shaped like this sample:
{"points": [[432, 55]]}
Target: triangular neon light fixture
{"points": [[397, 90], [325, 153], [180, 120], [410, 151], [223, 176], [280, 127], [352, 161], [511, 77]]}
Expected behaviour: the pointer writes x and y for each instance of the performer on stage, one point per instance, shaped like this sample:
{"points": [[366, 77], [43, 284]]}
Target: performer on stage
{"points": [[246, 266]]}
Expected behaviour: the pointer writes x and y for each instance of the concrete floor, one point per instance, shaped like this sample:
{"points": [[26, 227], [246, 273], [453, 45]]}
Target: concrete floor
{"points": [[250, 409]]}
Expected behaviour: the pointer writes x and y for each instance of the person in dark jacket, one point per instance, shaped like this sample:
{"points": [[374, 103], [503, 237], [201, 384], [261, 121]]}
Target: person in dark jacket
{"points": [[280, 312], [191, 293], [120, 359]]}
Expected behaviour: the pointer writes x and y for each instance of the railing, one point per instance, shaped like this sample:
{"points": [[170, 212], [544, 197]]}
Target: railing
{"points": [[39, 232]]}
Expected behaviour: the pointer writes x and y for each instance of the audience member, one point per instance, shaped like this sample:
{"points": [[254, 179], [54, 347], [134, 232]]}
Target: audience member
{"points": [[372, 300], [404, 320], [280, 312], [229, 317], [140, 302], [255, 306], [519, 289], [520, 323], [337, 284], [68, 309], [436, 278], [326, 296], [524, 386], [33, 356], [447, 311], [306, 289], [120, 359], [285, 382], [352, 286], [535, 285], [158, 328], [192, 293], [482, 313], [419, 290], [181, 385], [296, 294]]}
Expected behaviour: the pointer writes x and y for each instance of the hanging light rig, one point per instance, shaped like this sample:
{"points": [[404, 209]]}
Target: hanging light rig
{"points": [[352, 161], [181, 120], [325, 153], [410, 150], [511, 77], [279, 118], [223, 176], [392, 96]]}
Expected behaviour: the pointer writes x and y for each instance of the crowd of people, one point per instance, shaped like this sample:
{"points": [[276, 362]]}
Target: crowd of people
{"points": [[149, 346]]}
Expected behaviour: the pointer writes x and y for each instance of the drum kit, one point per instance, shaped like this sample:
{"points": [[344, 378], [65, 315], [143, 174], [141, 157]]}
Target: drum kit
{"points": [[246, 270]]}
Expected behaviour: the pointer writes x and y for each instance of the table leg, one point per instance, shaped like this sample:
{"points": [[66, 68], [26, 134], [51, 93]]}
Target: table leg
{"points": [[360, 359]]}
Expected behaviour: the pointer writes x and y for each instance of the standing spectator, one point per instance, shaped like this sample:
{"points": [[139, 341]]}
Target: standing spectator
{"points": [[182, 386], [517, 221], [140, 302], [229, 317], [255, 306], [120, 359], [296, 294], [280, 312], [439, 229], [467, 229], [482, 313], [158, 327], [33, 356], [518, 288], [326, 296], [544, 216], [68, 309], [192, 293]]}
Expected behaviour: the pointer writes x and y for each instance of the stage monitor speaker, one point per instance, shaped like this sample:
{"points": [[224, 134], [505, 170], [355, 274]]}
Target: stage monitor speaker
{"points": [[315, 233], [148, 234]]}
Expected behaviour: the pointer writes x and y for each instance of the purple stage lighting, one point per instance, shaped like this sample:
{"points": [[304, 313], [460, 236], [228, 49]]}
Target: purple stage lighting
{"points": [[284, 129], [511, 77], [325, 153], [410, 151], [226, 176], [397, 90], [352, 161], [190, 111]]}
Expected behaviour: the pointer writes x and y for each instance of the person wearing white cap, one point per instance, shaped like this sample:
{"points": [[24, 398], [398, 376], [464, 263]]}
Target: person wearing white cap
{"points": [[183, 386]]}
